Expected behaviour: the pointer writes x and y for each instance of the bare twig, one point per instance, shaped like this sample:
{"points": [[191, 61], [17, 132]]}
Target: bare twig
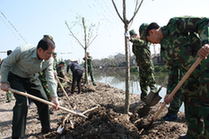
{"points": [[93, 40], [135, 12], [117, 11], [73, 35]]}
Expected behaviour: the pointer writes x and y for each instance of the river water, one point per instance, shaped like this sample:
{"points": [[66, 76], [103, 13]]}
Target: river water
{"points": [[118, 80]]}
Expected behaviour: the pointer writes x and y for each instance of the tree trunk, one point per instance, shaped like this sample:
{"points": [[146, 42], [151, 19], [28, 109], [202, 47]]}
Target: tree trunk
{"points": [[85, 48], [127, 60], [126, 24]]}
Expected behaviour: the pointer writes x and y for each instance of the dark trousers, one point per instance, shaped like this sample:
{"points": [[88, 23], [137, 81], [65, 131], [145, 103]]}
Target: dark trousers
{"points": [[77, 75], [31, 86]]}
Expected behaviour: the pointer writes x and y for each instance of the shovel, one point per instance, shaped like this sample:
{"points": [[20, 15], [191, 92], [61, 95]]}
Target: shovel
{"points": [[153, 97], [45, 102], [196, 63], [66, 95]]}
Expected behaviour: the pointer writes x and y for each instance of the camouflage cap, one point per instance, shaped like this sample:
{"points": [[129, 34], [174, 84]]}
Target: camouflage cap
{"points": [[143, 31], [55, 54], [61, 62], [87, 52], [132, 32], [48, 36]]}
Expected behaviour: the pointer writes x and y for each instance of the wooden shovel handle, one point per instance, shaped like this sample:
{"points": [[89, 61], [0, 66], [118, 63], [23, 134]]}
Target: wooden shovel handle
{"points": [[64, 91], [196, 63], [45, 102], [162, 84], [62, 78]]}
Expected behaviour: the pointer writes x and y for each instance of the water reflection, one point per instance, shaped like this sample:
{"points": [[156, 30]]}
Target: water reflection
{"points": [[117, 79]]}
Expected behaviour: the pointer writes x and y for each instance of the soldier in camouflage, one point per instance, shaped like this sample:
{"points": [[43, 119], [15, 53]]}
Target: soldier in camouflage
{"points": [[55, 62], [183, 40], [8, 93], [142, 53], [61, 71], [42, 78], [90, 68]]}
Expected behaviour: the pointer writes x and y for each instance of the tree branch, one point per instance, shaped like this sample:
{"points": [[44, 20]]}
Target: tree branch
{"points": [[92, 40], [117, 11], [135, 12], [73, 35]]}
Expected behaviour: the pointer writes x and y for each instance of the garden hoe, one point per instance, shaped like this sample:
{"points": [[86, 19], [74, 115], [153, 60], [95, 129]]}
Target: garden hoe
{"points": [[196, 63], [153, 97], [45, 102]]}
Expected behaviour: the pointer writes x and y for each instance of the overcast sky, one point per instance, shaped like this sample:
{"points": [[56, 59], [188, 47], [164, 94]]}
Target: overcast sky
{"points": [[24, 22]]}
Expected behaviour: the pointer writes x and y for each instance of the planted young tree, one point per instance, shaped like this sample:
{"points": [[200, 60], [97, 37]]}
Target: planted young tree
{"points": [[126, 27], [88, 34]]}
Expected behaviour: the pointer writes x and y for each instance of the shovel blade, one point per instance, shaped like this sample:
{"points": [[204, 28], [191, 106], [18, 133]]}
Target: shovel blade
{"points": [[152, 98]]}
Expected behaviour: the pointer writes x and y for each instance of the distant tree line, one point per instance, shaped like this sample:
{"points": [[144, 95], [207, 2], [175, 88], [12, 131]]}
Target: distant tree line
{"points": [[119, 61]]}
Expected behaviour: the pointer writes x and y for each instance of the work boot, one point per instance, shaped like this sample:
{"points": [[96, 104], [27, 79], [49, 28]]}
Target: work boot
{"points": [[183, 136], [170, 117]]}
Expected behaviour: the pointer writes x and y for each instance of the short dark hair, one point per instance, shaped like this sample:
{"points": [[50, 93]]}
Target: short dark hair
{"points": [[45, 43], [151, 26]]}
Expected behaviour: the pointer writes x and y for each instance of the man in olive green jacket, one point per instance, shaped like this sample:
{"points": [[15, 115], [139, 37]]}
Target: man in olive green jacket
{"points": [[21, 69]]}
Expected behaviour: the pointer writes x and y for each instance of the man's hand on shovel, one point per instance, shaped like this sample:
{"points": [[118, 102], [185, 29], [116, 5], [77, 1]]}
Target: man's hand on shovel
{"points": [[204, 51], [56, 103], [4, 86], [203, 54], [167, 100]]}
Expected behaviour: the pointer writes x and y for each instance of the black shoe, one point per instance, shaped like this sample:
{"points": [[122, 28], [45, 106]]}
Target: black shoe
{"points": [[170, 117], [94, 84], [47, 130], [51, 112], [183, 136]]}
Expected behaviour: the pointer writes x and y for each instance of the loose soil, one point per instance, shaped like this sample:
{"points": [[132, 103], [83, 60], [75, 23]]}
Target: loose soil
{"points": [[106, 121]]}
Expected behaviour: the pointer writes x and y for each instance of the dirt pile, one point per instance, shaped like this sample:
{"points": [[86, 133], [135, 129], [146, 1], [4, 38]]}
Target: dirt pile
{"points": [[108, 121]]}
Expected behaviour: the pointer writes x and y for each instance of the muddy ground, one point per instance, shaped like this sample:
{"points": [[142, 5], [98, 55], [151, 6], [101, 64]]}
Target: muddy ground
{"points": [[107, 121]]}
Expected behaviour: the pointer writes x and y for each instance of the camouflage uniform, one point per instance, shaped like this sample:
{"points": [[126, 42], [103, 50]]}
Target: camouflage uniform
{"points": [[182, 38], [175, 75], [42, 78], [8, 93], [146, 68], [90, 69], [60, 73], [55, 63], [9, 96]]}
